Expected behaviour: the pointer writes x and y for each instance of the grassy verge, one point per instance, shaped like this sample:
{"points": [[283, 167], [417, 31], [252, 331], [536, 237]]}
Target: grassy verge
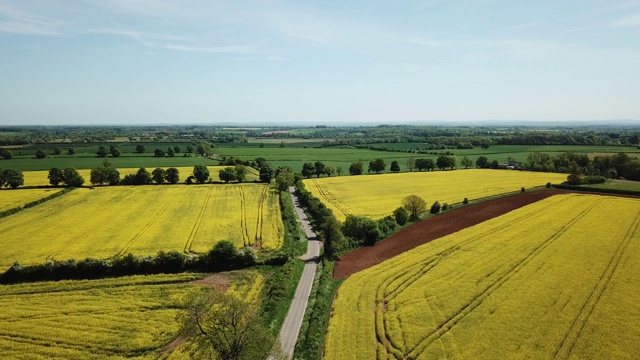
{"points": [[295, 241], [278, 292], [316, 317]]}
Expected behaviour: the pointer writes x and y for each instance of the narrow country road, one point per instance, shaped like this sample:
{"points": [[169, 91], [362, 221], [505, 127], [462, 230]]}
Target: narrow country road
{"points": [[291, 325]]}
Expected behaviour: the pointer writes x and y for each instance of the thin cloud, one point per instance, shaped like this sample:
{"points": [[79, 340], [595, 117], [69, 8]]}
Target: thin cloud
{"points": [[627, 21], [424, 42], [16, 21], [516, 27], [233, 49]]}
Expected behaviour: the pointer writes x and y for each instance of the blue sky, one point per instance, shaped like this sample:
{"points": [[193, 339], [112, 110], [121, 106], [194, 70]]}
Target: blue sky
{"points": [[317, 62]]}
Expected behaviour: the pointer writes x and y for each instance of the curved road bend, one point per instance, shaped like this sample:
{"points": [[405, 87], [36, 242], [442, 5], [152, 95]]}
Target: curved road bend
{"points": [[291, 325]]}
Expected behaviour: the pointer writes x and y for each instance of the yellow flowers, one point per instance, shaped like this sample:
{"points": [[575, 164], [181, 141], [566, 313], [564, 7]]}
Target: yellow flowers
{"points": [[376, 196], [555, 279], [10, 199], [109, 221]]}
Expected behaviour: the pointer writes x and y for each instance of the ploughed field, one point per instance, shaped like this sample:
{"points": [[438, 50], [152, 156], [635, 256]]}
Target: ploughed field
{"points": [[554, 279], [376, 196], [109, 221], [127, 317]]}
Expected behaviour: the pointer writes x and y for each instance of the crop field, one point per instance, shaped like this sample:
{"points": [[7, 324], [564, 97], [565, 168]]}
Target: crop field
{"points": [[10, 199], [555, 279], [355, 194], [110, 221], [39, 177], [127, 317]]}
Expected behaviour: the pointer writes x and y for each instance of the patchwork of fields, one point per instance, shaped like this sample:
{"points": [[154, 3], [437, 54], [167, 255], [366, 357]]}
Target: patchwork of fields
{"points": [[376, 196], [555, 279], [109, 221], [10, 199], [39, 177], [128, 317]]}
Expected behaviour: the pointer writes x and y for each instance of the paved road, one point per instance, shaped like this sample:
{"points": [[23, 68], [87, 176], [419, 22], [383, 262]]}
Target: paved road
{"points": [[291, 326]]}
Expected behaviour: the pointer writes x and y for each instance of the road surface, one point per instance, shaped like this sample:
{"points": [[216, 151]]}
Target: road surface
{"points": [[291, 325]]}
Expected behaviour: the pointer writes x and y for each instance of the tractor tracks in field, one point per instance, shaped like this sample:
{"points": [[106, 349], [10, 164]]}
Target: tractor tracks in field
{"points": [[330, 197], [243, 218], [162, 210], [478, 299], [570, 340], [403, 278], [196, 226], [260, 220]]}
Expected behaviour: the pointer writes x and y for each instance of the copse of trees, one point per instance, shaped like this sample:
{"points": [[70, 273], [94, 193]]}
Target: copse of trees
{"points": [[141, 177], [377, 165], [201, 174], [6, 154], [11, 178], [105, 174]]}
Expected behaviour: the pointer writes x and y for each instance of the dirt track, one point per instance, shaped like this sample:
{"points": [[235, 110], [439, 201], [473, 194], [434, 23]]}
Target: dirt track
{"points": [[430, 229]]}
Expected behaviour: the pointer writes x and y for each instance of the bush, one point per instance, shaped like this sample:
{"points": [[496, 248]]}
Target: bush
{"points": [[401, 215], [445, 207], [465, 201], [594, 179], [435, 208], [548, 185], [522, 189]]}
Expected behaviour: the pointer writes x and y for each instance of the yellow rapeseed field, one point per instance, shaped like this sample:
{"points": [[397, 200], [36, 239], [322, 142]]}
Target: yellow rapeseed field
{"points": [[10, 199], [109, 221], [127, 317], [555, 279], [376, 196], [39, 177]]}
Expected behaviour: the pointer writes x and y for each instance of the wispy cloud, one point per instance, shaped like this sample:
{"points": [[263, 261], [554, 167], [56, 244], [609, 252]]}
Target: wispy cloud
{"points": [[516, 27], [15, 21], [520, 50], [233, 49], [623, 6], [425, 42], [627, 21]]}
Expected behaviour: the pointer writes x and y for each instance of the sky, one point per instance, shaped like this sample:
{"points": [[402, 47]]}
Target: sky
{"points": [[343, 62]]}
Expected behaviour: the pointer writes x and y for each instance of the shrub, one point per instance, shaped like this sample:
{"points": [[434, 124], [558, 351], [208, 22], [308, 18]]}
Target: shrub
{"points": [[522, 189], [445, 207], [465, 201], [548, 185], [435, 208], [401, 215]]}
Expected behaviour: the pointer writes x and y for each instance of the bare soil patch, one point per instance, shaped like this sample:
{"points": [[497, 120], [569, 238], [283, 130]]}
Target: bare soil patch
{"points": [[432, 228]]}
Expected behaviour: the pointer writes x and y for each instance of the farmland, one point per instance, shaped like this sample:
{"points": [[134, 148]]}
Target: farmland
{"points": [[128, 317], [10, 199], [109, 221], [355, 194], [39, 177], [539, 282]]}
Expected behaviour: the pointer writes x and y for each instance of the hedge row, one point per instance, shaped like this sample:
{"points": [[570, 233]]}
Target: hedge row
{"points": [[34, 203], [597, 190], [222, 257]]}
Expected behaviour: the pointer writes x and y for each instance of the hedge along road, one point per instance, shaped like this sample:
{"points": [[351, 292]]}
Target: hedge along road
{"points": [[291, 325]]}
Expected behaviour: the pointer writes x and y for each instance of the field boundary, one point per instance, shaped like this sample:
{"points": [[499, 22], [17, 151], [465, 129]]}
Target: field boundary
{"points": [[33, 203]]}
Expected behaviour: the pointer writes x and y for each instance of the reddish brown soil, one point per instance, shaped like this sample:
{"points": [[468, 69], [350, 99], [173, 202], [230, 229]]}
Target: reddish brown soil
{"points": [[431, 229]]}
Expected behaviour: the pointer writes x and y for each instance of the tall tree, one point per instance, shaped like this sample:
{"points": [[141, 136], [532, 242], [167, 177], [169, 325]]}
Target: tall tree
{"points": [[356, 168], [395, 167], [158, 153], [319, 168], [6, 154], [11, 178], [240, 172], [329, 170], [140, 149], [56, 176], [227, 174], [307, 170], [201, 173], [466, 162], [411, 164], [115, 152], [102, 151], [482, 162], [415, 205], [377, 165], [72, 177], [40, 154], [172, 175], [158, 175], [170, 152]]}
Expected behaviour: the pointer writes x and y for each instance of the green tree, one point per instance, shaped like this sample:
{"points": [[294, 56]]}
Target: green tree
{"points": [[240, 172], [425, 164], [143, 177], [113, 175], [189, 149], [222, 326], [339, 170], [170, 152], [284, 180], [102, 151], [319, 167], [172, 176], [401, 215], [329, 170], [71, 151], [266, 173], [466, 162], [57, 150], [574, 174], [442, 162], [282, 144], [6, 154], [201, 173], [377, 165], [11, 178], [158, 175], [40, 154], [158, 153], [395, 167], [227, 174], [99, 175], [115, 152], [362, 228], [411, 163], [415, 205], [72, 177], [56, 176], [435, 208], [140, 149], [307, 170], [482, 162], [356, 168], [177, 149]]}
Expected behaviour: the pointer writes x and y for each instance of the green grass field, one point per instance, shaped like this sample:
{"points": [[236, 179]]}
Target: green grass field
{"points": [[618, 185]]}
